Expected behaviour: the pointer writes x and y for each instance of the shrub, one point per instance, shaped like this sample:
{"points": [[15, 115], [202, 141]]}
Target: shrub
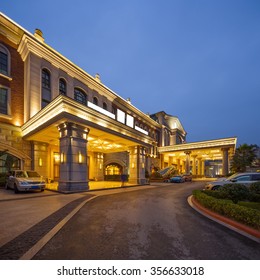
{"points": [[254, 192], [250, 217], [235, 192]]}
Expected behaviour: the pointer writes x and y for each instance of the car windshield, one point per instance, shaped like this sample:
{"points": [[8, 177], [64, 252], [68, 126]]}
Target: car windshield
{"points": [[32, 174], [231, 177], [21, 174]]}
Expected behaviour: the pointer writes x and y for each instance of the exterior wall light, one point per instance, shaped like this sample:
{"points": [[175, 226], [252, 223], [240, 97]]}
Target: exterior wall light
{"points": [[62, 158], [40, 162], [80, 157]]}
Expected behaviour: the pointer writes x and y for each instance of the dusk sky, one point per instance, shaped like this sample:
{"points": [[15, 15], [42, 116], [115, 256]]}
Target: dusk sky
{"points": [[198, 60]]}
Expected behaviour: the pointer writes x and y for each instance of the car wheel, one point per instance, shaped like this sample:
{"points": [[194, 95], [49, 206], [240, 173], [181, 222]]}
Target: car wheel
{"points": [[215, 188], [16, 189], [42, 190]]}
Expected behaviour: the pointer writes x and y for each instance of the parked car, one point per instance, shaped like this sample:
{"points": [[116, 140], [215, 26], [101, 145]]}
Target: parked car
{"points": [[20, 180], [187, 177], [243, 178], [175, 179]]}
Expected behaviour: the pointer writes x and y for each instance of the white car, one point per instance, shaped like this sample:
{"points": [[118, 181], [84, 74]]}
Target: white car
{"points": [[20, 180], [240, 178]]}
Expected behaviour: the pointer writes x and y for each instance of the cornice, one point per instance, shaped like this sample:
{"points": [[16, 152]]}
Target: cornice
{"points": [[218, 143], [62, 106]]}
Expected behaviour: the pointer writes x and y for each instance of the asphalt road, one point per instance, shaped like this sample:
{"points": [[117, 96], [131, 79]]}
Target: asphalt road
{"points": [[147, 224]]}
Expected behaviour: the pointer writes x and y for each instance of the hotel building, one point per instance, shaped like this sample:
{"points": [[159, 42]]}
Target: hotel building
{"points": [[66, 124]]}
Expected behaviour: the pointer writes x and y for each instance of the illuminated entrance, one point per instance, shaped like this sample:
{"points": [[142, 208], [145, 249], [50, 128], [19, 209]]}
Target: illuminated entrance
{"points": [[208, 158]]}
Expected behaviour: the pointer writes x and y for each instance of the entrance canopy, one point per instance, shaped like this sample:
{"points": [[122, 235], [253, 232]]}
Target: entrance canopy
{"points": [[105, 134], [191, 157]]}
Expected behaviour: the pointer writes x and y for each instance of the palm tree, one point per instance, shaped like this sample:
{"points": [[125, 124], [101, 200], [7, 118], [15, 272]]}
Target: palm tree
{"points": [[244, 156]]}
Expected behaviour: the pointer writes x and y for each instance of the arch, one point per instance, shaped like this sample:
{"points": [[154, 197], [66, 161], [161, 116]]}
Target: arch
{"points": [[80, 96], [46, 87], [62, 86], [95, 100]]}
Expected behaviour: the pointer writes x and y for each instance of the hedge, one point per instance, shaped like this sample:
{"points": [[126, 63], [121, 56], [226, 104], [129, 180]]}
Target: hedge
{"points": [[247, 216]]}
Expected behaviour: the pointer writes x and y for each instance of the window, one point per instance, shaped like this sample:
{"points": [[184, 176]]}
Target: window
{"points": [[62, 87], [46, 87], [256, 177], [95, 101], [46, 79], [4, 101], [243, 178], [4, 61], [104, 105], [80, 96]]}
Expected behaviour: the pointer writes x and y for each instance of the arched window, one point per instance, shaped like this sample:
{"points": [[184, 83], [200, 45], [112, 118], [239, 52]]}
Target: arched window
{"points": [[95, 101], [4, 61], [62, 87], [80, 96], [105, 105], [46, 87], [113, 169]]}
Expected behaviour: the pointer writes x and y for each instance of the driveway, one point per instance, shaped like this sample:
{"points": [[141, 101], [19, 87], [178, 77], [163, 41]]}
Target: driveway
{"points": [[155, 223]]}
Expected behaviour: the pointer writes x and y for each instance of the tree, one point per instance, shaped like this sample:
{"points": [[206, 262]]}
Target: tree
{"points": [[244, 156]]}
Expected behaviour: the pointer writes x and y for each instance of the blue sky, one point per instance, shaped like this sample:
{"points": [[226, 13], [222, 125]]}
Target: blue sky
{"points": [[195, 59]]}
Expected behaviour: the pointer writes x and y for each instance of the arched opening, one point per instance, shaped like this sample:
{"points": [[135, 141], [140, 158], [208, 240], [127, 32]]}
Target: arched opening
{"points": [[113, 172], [7, 162]]}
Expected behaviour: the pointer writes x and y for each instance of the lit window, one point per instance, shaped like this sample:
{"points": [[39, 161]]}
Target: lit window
{"points": [[62, 87], [46, 87], [80, 96], [3, 101]]}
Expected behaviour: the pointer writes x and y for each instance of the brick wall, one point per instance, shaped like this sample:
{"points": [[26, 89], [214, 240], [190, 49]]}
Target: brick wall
{"points": [[16, 84]]}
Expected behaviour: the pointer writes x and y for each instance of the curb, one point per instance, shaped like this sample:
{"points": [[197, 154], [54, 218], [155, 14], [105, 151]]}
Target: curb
{"points": [[242, 229]]}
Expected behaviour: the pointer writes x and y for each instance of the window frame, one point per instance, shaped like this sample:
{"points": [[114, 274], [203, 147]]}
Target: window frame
{"points": [[6, 52], [62, 80], [77, 92], [8, 103]]}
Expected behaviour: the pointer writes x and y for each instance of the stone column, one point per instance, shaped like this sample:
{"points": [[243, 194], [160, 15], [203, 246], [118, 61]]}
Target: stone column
{"points": [[170, 161], [225, 164], [137, 165], [187, 162], [179, 165], [199, 166], [203, 168], [162, 161], [194, 165], [73, 158]]}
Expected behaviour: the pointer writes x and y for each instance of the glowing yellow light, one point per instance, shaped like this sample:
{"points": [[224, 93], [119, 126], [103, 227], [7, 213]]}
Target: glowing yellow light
{"points": [[40, 161], [80, 157]]}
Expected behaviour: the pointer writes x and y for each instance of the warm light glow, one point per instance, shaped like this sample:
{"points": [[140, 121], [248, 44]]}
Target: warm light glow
{"points": [[80, 157], [40, 161], [62, 158], [56, 157], [133, 165]]}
